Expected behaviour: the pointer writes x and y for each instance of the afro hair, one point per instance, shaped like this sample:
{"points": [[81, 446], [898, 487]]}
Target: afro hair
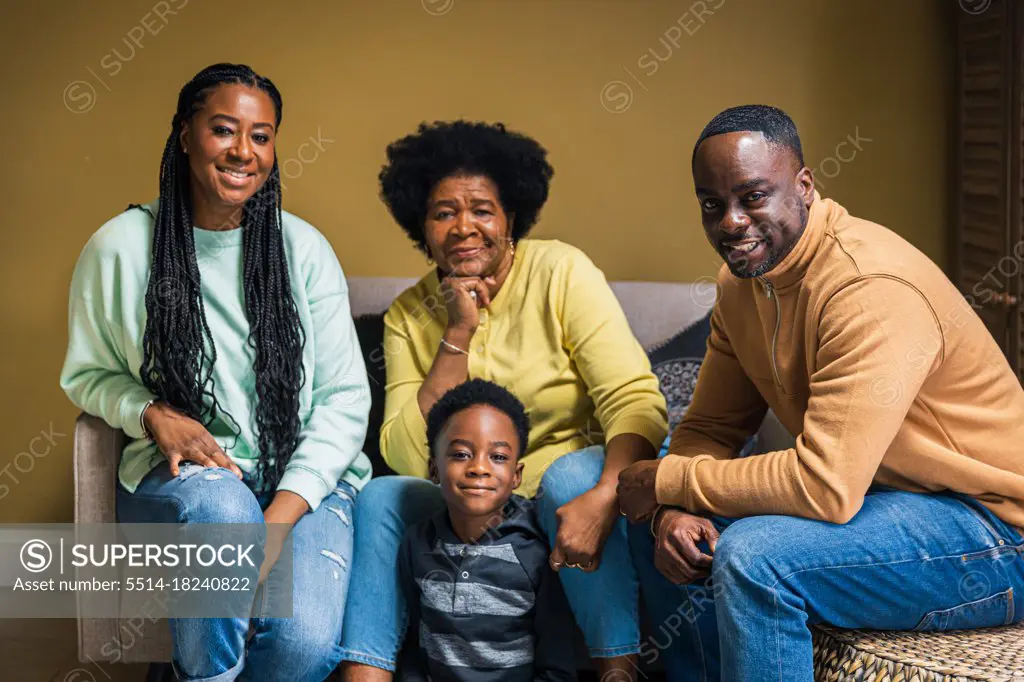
{"points": [[517, 164], [478, 392]]}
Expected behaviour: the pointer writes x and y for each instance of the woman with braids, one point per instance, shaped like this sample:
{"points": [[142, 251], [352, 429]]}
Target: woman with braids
{"points": [[214, 329], [538, 318]]}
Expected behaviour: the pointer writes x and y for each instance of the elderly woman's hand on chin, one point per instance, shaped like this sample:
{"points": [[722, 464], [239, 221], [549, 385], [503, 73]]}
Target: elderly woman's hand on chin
{"points": [[464, 296]]}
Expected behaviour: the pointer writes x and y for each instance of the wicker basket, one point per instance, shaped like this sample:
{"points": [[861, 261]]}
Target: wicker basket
{"points": [[991, 655]]}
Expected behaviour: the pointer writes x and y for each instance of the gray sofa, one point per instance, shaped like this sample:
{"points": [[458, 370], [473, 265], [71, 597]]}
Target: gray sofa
{"points": [[656, 311]]}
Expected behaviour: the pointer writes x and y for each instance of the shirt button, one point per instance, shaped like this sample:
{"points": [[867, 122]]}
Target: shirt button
{"points": [[465, 574], [462, 552]]}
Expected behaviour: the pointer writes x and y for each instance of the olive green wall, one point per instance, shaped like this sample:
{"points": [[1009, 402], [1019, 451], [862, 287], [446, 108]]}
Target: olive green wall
{"points": [[89, 89]]}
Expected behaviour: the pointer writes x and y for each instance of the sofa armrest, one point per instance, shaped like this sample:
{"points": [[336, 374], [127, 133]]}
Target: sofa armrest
{"points": [[97, 454]]}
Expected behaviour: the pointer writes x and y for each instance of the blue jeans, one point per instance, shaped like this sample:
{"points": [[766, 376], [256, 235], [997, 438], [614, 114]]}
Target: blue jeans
{"points": [[906, 561], [302, 648], [376, 610]]}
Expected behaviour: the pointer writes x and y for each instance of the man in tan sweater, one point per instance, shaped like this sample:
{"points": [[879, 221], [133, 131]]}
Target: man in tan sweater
{"points": [[900, 504]]}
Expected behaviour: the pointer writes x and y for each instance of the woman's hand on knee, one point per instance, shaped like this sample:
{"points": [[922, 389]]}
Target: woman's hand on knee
{"points": [[181, 438], [583, 527]]}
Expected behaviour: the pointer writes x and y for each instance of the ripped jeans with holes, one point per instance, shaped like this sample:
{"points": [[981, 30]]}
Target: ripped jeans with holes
{"points": [[303, 648], [907, 561]]}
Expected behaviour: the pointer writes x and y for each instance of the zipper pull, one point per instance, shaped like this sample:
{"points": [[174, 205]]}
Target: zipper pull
{"points": [[768, 288]]}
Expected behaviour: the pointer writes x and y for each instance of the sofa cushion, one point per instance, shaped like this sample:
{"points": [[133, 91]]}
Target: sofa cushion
{"points": [[370, 331], [657, 310]]}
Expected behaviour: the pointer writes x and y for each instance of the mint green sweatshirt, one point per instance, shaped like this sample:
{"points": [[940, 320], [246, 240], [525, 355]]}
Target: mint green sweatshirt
{"points": [[107, 319]]}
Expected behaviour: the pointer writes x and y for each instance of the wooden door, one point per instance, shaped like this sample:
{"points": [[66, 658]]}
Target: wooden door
{"points": [[988, 172], [1014, 295]]}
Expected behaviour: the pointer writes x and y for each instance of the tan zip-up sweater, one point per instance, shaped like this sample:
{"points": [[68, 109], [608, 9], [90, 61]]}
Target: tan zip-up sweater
{"points": [[865, 350]]}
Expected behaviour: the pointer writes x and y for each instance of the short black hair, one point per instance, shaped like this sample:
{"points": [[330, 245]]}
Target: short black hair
{"points": [[517, 164], [776, 125], [478, 392]]}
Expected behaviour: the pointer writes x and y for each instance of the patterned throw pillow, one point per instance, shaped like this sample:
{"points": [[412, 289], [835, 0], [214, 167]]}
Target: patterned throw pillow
{"points": [[676, 362]]}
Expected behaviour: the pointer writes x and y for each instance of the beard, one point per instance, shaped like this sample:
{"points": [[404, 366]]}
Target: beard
{"points": [[740, 267]]}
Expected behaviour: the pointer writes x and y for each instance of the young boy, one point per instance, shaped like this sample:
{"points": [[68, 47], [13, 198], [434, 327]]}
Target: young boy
{"points": [[483, 602]]}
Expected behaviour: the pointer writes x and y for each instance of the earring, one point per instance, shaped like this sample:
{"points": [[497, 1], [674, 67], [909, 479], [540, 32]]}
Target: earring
{"points": [[512, 245]]}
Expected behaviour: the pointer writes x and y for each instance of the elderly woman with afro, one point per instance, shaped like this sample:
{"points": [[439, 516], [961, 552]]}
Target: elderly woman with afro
{"points": [[538, 317]]}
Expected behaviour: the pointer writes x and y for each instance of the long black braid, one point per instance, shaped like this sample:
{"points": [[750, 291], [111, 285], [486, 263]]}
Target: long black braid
{"points": [[178, 349]]}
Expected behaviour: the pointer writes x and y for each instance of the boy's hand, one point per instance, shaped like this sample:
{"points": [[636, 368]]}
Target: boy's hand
{"points": [[583, 527]]}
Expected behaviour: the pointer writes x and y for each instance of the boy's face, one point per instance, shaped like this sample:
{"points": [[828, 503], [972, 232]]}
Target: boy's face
{"points": [[476, 461]]}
